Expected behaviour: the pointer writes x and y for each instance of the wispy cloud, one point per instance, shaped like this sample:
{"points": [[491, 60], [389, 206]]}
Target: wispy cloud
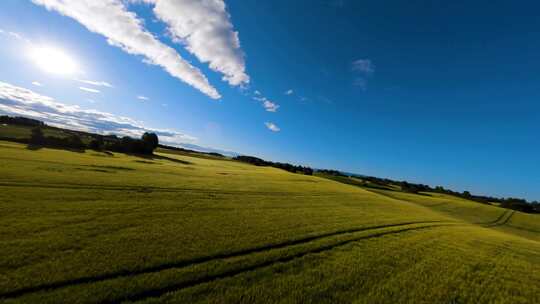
{"points": [[204, 27], [360, 82], [124, 29], [289, 92], [144, 98], [15, 36], [272, 127], [270, 106], [96, 83], [363, 68], [37, 83], [23, 102], [89, 90]]}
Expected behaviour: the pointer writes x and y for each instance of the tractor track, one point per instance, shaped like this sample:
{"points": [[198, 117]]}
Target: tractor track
{"points": [[143, 189], [221, 256], [158, 292], [501, 220]]}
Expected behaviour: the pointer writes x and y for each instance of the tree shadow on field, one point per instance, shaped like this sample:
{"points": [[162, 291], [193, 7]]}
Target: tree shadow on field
{"points": [[34, 147], [161, 157]]}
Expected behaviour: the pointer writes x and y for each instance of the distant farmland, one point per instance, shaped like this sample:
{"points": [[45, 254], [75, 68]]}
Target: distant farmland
{"points": [[94, 227]]}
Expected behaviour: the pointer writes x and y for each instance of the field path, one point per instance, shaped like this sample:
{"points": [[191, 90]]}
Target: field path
{"points": [[155, 293], [501, 220], [223, 256]]}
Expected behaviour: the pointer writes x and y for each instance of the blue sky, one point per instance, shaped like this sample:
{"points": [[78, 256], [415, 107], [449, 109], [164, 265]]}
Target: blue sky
{"points": [[438, 92]]}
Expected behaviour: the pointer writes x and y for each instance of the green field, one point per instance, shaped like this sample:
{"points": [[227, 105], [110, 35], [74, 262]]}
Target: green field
{"points": [[94, 227]]}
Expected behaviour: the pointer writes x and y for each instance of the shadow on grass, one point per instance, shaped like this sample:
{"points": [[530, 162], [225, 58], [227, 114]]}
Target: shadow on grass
{"points": [[161, 157], [34, 147], [39, 147]]}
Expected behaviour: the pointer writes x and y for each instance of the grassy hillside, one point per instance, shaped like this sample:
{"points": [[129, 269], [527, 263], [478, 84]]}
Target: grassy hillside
{"points": [[105, 228]]}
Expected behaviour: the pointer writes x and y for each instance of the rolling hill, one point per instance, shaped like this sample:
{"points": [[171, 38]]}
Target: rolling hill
{"points": [[94, 227]]}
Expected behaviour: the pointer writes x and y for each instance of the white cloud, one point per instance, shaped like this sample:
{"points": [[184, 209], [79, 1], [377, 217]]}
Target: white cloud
{"points": [[144, 98], [89, 90], [257, 92], [95, 83], [37, 83], [270, 106], [123, 29], [289, 92], [23, 102], [363, 66], [15, 36], [272, 127], [360, 82], [204, 27]]}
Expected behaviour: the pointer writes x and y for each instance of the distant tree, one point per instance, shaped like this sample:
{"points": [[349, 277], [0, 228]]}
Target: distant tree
{"points": [[23, 121], [308, 171], [74, 141], [408, 187], [126, 145], [150, 141], [466, 194], [36, 137], [440, 189], [96, 143]]}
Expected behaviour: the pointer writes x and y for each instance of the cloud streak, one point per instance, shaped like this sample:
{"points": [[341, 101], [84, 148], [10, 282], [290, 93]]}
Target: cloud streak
{"points": [[204, 27], [363, 68], [270, 106], [143, 98], [123, 29], [89, 90], [95, 83], [272, 127], [23, 102]]}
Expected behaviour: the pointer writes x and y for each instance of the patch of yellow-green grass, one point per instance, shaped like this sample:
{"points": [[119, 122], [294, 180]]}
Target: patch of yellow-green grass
{"points": [[13, 131], [23, 132], [455, 264], [515, 222], [523, 224], [105, 227]]}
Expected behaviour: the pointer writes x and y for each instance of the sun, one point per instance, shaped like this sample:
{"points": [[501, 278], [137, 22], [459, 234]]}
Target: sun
{"points": [[53, 60]]}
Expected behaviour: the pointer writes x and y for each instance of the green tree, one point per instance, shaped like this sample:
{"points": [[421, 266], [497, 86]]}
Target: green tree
{"points": [[151, 141], [37, 138]]}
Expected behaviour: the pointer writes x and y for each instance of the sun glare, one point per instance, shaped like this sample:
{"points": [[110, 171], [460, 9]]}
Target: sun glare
{"points": [[53, 60]]}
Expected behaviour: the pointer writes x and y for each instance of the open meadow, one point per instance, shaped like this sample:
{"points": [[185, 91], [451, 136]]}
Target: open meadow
{"points": [[98, 227]]}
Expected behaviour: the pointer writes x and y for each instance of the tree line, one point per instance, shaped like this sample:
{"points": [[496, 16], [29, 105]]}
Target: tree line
{"points": [[518, 204], [285, 166], [21, 121], [149, 142], [145, 145]]}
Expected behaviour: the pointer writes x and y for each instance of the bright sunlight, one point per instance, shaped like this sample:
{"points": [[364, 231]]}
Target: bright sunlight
{"points": [[53, 60]]}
